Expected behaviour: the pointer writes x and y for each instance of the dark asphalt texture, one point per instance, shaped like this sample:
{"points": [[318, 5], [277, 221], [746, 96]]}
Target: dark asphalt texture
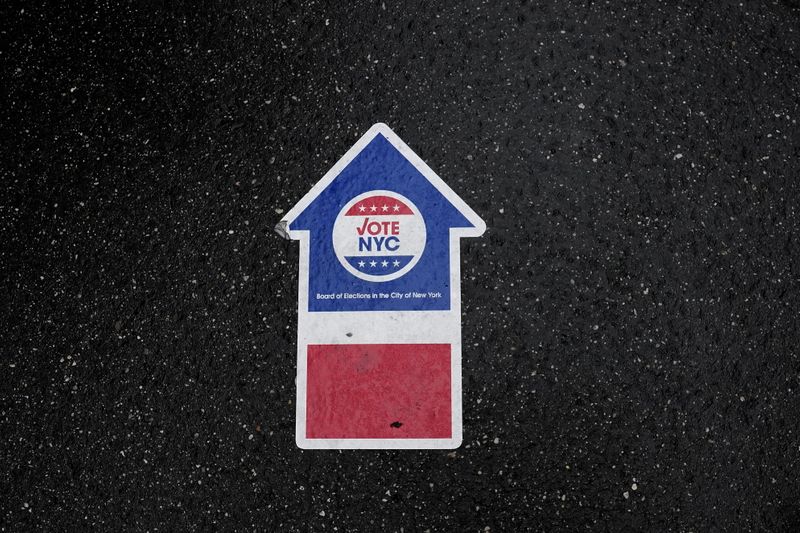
{"points": [[631, 357]]}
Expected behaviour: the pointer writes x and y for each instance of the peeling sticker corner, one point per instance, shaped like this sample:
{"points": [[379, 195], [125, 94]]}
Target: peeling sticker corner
{"points": [[282, 229]]}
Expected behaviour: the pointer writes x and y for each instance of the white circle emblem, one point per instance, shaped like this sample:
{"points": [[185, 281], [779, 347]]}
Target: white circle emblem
{"points": [[379, 236]]}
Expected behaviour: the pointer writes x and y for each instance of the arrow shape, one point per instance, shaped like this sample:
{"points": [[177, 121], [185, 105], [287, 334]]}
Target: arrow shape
{"points": [[379, 301]]}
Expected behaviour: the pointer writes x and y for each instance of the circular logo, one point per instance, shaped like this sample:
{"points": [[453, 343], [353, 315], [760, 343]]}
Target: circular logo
{"points": [[379, 236]]}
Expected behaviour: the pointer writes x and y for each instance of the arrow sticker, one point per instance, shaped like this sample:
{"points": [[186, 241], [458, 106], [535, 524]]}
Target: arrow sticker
{"points": [[379, 301]]}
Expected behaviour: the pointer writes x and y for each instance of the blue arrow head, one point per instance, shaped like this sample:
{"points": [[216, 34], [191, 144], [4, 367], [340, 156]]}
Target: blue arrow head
{"points": [[379, 226]]}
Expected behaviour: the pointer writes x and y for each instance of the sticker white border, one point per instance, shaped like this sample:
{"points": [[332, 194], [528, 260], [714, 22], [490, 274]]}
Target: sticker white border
{"points": [[384, 327]]}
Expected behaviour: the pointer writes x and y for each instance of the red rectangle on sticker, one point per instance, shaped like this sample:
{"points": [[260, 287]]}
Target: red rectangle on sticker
{"points": [[378, 391]]}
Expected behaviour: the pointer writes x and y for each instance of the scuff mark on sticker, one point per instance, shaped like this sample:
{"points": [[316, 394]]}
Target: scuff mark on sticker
{"points": [[282, 229]]}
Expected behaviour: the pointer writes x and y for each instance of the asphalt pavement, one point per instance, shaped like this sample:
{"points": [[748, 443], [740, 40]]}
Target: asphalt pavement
{"points": [[630, 317]]}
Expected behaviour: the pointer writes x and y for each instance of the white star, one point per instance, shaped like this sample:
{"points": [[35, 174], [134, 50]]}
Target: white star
{"points": [[372, 263], [361, 208], [384, 264], [361, 264], [396, 263], [385, 208], [396, 207], [373, 208]]}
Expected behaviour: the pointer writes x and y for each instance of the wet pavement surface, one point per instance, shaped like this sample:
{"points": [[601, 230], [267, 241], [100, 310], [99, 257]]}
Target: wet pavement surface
{"points": [[630, 356]]}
